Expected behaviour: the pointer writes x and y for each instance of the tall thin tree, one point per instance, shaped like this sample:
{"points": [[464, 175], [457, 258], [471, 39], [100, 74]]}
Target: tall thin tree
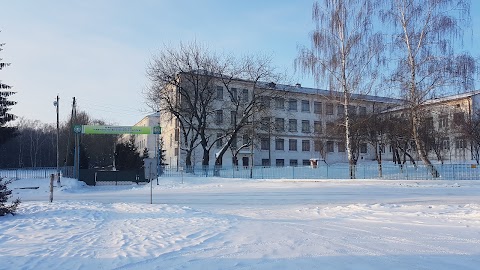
{"points": [[344, 52], [426, 35]]}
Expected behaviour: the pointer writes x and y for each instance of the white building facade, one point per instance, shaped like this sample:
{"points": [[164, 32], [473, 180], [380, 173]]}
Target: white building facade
{"points": [[300, 118]]}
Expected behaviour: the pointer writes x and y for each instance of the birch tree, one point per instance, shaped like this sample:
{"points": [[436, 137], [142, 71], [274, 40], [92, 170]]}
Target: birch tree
{"points": [[426, 34], [344, 52]]}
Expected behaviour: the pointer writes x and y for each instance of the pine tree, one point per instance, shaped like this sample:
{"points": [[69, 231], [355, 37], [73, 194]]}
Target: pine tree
{"points": [[5, 194], [6, 133]]}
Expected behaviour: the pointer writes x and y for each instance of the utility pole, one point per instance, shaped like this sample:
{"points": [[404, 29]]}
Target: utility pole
{"points": [[56, 103], [76, 157]]}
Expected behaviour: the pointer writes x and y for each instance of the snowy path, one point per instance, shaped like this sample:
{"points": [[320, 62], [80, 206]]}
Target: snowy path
{"points": [[248, 225]]}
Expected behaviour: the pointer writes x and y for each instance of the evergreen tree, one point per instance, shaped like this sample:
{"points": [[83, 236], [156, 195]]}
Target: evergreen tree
{"points": [[145, 153], [161, 152], [5, 194], [6, 133], [127, 156]]}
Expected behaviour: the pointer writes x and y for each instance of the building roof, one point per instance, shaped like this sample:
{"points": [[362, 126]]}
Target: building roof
{"points": [[327, 93], [439, 100], [452, 97]]}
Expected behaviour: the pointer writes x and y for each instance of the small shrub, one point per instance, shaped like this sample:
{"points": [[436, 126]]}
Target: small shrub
{"points": [[5, 194]]}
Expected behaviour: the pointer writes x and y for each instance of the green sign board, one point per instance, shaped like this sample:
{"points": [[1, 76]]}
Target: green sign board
{"points": [[87, 129]]}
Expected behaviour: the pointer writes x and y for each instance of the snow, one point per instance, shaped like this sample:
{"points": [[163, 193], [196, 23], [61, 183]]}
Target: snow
{"points": [[221, 223]]}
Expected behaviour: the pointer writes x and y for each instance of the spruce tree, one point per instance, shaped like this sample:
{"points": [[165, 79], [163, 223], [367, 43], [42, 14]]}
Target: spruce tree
{"points": [[5, 194], [6, 132], [127, 156]]}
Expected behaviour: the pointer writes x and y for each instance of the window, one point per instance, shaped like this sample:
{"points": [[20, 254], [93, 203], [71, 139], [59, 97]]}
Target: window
{"points": [[340, 109], [446, 143], [219, 140], [177, 134], [219, 117], [317, 107], [305, 106], [341, 147], [279, 103], [363, 148], [305, 126], [329, 109], [458, 118], [234, 95], [279, 124], [306, 162], [245, 95], [429, 122], [265, 101], [279, 144], [443, 121], [317, 146], [265, 123], [293, 162], [292, 104], [317, 127], [460, 143], [220, 92], [292, 125], [265, 162], [330, 146], [292, 145], [233, 145], [305, 145], [233, 117], [176, 151], [330, 127], [245, 139], [279, 162], [362, 110], [265, 143], [352, 110]]}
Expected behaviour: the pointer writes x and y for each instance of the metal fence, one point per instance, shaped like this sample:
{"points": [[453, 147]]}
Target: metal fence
{"points": [[35, 172], [335, 171]]}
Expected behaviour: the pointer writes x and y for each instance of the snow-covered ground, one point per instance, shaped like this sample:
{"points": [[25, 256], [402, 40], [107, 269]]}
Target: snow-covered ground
{"points": [[218, 223]]}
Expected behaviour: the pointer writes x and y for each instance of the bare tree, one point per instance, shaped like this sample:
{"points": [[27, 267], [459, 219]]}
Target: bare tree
{"points": [[243, 106], [423, 45], [471, 131], [182, 87], [374, 130], [344, 52]]}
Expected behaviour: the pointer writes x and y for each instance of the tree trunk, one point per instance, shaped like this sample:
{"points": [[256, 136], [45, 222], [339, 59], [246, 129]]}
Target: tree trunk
{"points": [[378, 156], [218, 164], [205, 160], [188, 161], [421, 148]]}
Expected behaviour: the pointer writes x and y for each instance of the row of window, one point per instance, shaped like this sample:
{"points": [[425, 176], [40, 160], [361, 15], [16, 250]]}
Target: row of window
{"points": [[458, 119], [281, 162], [305, 106], [235, 94], [444, 144], [279, 125]]}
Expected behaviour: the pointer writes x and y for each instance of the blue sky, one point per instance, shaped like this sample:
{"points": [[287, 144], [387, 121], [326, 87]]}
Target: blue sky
{"points": [[97, 50]]}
